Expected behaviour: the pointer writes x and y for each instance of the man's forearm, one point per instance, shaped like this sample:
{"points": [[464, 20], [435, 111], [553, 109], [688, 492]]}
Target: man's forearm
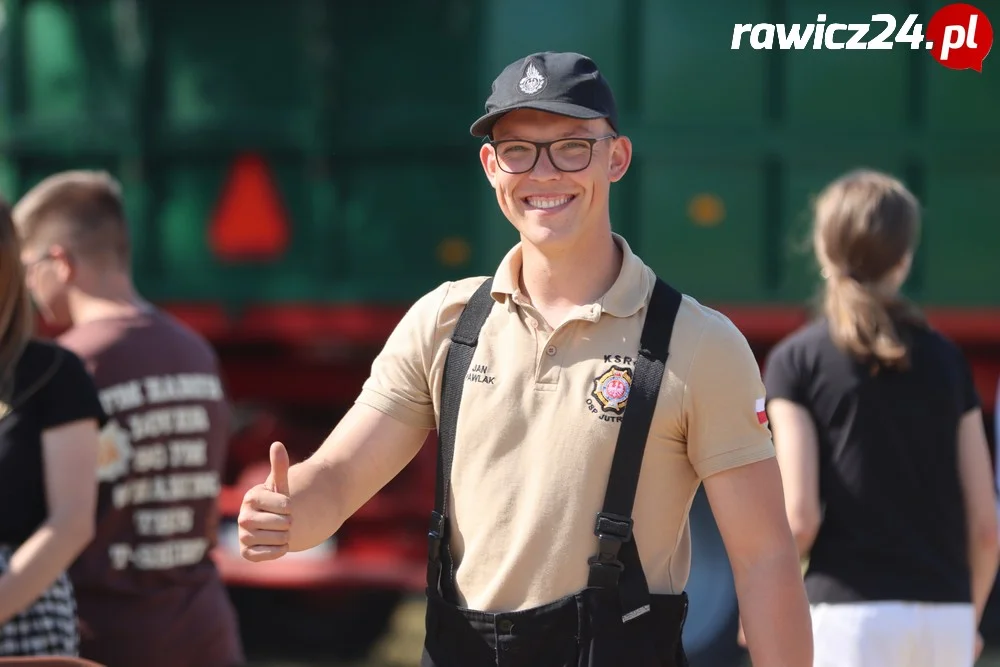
{"points": [[364, 452], [775, 611], [315, 507]]}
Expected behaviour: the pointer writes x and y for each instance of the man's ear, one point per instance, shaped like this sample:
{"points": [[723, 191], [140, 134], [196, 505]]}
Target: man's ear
{"points": [[620, 158], [65, 266], [488, 158]]}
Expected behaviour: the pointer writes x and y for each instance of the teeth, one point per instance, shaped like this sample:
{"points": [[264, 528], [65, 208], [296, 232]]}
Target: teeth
{"points": [[547, 202]]}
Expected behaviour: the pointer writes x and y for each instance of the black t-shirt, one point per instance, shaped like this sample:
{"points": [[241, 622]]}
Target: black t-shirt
{"points": [[51, 388], [893, 524]]}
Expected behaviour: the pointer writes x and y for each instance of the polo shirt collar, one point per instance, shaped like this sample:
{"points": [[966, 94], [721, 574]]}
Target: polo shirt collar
{"points": [[627, 295]]}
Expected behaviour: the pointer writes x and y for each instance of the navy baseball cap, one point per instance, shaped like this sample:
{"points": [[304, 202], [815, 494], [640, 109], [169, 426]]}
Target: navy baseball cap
{"points": [[568, 84]]}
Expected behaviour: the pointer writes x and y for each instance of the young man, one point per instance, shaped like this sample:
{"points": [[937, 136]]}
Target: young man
{"points": [[533, 560], [148, 593]]}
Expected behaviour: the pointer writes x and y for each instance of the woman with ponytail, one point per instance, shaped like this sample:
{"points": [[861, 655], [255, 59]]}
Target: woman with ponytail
{"points": [[49, 416], [882, 448]]}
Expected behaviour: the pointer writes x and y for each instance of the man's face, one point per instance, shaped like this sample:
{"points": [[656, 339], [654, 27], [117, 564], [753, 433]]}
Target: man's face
{"points": [[47, 272], [552, 208]]}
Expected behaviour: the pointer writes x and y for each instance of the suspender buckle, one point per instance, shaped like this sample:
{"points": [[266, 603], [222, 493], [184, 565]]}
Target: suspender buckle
{"points": [[613, 526], [612, 531]]}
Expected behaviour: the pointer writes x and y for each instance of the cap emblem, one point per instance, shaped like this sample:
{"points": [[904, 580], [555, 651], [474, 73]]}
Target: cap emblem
{"points": [[532, 81]]}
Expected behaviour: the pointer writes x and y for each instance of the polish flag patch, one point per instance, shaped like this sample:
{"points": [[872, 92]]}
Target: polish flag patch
{"points": [[761, 412]]}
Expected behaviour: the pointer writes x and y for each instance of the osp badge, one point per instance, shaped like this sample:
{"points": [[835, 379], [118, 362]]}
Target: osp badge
{"points": [[611, 390]]}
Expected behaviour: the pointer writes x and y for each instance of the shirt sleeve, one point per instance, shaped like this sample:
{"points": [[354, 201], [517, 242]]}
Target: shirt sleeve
{"points": [[399, 384], [70, 394], [782, 376], [969, 395], [724, 401]]}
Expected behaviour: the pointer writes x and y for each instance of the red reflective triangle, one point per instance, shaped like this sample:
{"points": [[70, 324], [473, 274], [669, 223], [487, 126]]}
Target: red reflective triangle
{"points": [[250, 221]]}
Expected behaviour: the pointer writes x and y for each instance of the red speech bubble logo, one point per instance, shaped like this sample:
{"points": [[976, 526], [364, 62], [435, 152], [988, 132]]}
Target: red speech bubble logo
{"points": [[960, 36]]}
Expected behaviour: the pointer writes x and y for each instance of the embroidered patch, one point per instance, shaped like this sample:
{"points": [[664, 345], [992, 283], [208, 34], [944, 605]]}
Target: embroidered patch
{"points": [[611, 390], [532, 81]]}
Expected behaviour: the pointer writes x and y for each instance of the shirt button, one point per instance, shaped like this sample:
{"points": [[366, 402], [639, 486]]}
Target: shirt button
{"points": [[551, 350], [533, 323], [505, 625]]}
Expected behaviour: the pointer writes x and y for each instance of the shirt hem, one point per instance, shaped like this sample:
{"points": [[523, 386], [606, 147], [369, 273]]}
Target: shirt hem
{"points": [[395, 409], [734, 459]]}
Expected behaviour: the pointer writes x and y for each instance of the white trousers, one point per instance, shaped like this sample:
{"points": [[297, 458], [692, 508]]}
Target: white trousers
{"points": [[893, 634]]}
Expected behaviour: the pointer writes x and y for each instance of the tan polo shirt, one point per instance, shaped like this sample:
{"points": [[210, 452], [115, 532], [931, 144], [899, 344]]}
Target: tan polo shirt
{"points": [[536, 433]]}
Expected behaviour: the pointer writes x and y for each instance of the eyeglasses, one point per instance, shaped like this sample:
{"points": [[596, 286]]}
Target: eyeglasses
{"points": [[35, 262], [516, 156]]}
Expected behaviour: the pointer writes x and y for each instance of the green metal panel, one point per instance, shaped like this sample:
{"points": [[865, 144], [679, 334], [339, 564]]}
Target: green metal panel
{"points": [[379, 199], [234, 72], [723, 254], [681, 42], [843, 89], [362, 117], [70, 73], [962, 241]]}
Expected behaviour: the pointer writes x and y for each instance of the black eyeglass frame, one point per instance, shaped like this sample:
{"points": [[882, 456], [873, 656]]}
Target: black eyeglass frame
{"points": [[546, 145]]}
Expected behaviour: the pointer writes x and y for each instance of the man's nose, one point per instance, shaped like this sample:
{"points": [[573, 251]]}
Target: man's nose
{"points": [[544, 169]]}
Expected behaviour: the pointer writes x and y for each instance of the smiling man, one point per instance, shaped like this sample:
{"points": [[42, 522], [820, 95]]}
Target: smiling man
{"points": [[580, 401]]}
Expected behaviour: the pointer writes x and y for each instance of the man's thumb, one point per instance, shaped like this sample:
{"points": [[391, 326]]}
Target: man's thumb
{"points": [[277, 481]]}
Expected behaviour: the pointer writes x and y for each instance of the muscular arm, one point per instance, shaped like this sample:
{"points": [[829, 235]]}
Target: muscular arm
{"points": [[70, 458], [360, 456], [749, 508]]}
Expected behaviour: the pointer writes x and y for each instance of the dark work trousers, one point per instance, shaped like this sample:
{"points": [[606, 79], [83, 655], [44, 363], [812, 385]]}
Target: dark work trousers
{"points": [[613, 621]]}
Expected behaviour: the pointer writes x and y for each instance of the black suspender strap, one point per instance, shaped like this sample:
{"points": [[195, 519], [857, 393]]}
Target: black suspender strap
{"points": [[463, 346], [617, 562]]}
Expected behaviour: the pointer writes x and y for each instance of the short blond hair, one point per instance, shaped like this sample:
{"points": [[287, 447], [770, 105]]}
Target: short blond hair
{"points": [[82, 209]]}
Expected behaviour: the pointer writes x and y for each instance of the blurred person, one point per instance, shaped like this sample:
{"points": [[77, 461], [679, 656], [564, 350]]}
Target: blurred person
{"points": [[49, 420], [882, 448], [996, 445], [148, 592], [573, 421]]}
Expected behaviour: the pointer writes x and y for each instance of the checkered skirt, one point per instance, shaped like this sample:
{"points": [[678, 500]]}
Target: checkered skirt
{"points": [[47, 627]]}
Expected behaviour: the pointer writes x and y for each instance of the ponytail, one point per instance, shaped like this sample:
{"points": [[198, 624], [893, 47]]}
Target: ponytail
{"points": [[865, 322]]}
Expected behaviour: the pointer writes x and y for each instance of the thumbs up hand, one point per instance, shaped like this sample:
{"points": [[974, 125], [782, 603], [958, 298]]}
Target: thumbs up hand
{"points": [[266, 513], [277, 481]]}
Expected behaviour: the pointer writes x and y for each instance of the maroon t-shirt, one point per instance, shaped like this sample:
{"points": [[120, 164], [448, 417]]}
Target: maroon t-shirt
{"points": [[148, 591]]}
